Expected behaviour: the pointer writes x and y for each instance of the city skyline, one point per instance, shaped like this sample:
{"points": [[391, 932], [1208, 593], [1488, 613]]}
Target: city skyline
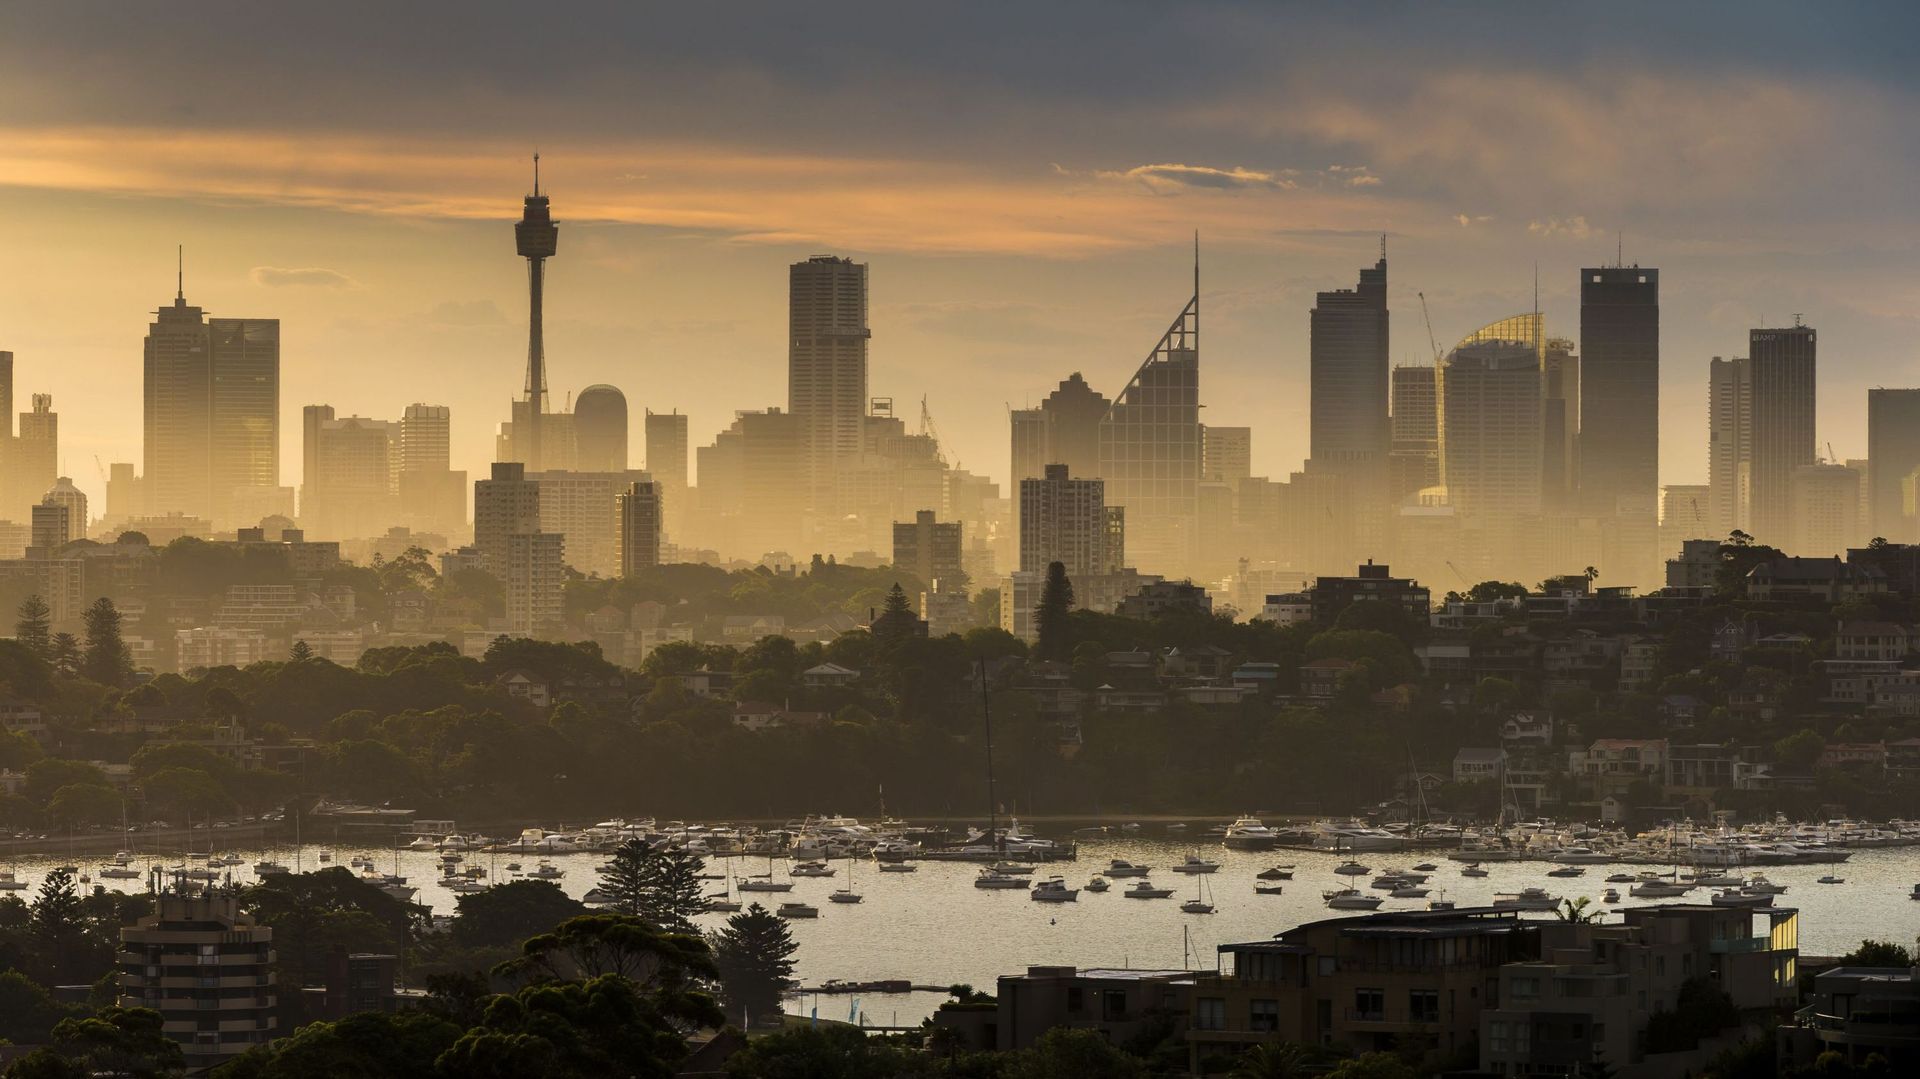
{"points": [[383, 259]]}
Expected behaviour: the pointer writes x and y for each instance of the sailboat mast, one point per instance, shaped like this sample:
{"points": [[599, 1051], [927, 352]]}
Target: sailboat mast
{"points": [[986, 713]]}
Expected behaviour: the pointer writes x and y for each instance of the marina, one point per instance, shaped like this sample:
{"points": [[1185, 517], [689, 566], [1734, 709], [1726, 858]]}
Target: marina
{"points": [[900, 929]]}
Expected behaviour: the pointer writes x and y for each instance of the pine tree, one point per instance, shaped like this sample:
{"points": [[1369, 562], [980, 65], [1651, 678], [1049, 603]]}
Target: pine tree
{"points": [[755, 956], [624, 879], [671, 894], [897, 620], [107, 661], [1052, 617], [57, 926], [34, 627], [64, 653], [301, 652]]}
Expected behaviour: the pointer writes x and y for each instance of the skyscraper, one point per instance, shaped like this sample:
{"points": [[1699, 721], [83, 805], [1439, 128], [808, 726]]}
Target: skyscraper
{"points": [[667, 449], [244, 354], [1729, 445], [1620, 390], [535, 576], [426, 438], [1349, 378], [350, 492], [930, 550], [1893, 456], [178, 385], [1490, 407], [33, 457], [6, 395], [827, 338], [600, 430], [1064, 430], [64, 493], [1150, 448], [212, 410], [433, 495], [641, 518], [1782, 366], [1559, 425], [1413, 454], [536, 238]]}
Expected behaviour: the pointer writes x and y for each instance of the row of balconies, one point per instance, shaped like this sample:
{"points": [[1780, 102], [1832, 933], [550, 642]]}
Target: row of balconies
{"points": [[133, 981]]}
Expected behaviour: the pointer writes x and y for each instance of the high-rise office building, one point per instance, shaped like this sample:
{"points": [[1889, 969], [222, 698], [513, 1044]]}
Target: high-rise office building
{"points": [[641, 517], [1226, 454], [33, 455], [600, 430], [1893, 458], [1150, 448], [1729, 445], [1559, 425], [1782, 364], [931, 550], [505, 505], [827, 339], [1064, 429], [1823, 504], [6, 394], [426, 438], [667, 450], [211, 410], [126, 494], [1490, 408], [751, 483], [1349, 378], [244, 437], [584, 508], [351, 491], [1620, 390], [1413, 453]]}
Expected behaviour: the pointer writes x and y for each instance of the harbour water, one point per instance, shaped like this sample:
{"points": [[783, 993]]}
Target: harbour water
{"points": [[933, 927]]}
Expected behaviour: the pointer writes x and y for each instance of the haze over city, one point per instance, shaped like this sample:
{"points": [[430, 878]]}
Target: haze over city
{"points": [[1024, 184]]}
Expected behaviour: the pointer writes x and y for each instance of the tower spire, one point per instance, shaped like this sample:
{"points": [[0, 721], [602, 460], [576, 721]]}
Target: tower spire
{"points": [[1196, 268], [180, 272], [536, 173]]}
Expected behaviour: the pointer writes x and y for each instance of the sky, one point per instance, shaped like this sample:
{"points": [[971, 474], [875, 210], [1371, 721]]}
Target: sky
{"points": [[1025, 182]]}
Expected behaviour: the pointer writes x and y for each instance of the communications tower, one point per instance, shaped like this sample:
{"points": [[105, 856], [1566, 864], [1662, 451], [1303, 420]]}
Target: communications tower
{"points": [[536, 237]]}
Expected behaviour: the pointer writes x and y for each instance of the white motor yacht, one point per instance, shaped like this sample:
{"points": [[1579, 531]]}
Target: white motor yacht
{"points": [[1249, 833], [762, 884], [1730, 897], [10, 883], [1099, 884], [1144, 889], [797, 910], [810, 869], [845, 895], [1351, 899], [114, 871], [545, 871], [1053, 890], [898, 867], [1526, 899], [989, 879], [1657, 889], [267, 867], [1193, 863], [1120, 867]]}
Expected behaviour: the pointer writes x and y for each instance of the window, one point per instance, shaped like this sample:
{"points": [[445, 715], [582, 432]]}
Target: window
{"points": [[1209, 1013], [1526, 988], [1369, 1003], [1326, 965], [1113, 1004], [1076, 999], [1497, 1035], [1264, 1016], [1423, 1006]]}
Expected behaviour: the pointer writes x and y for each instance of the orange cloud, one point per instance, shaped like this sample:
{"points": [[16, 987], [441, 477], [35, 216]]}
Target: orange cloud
{"points": [[856, 203]]}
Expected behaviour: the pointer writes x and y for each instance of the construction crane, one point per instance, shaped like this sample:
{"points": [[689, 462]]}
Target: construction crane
{"points": [[928, 430], [100, 468], [1431, 342]]}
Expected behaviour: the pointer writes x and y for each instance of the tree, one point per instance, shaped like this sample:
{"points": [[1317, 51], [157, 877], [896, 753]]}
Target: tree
{"points": [[1800, 751], [1878, 953], [624, 879], [596, 944], [64, 653], [607, 1025], [1052, 619], [671, 895], [1063, 1052], [77, 805], [57, 929], [754, 954], [107, 660], [1271, 1060], [365, 1044], [1372, 1066], [119, 1041], [34, 628], [506, 914], [1575, 910], [897, 622], [836, 1050], [300, 652]]}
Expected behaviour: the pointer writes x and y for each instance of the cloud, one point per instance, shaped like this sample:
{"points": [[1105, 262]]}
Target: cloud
{"points": [[1354, 175], [1470, 220], [301, 277], [466, 313], [1573, 228], [1172, 177]]}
